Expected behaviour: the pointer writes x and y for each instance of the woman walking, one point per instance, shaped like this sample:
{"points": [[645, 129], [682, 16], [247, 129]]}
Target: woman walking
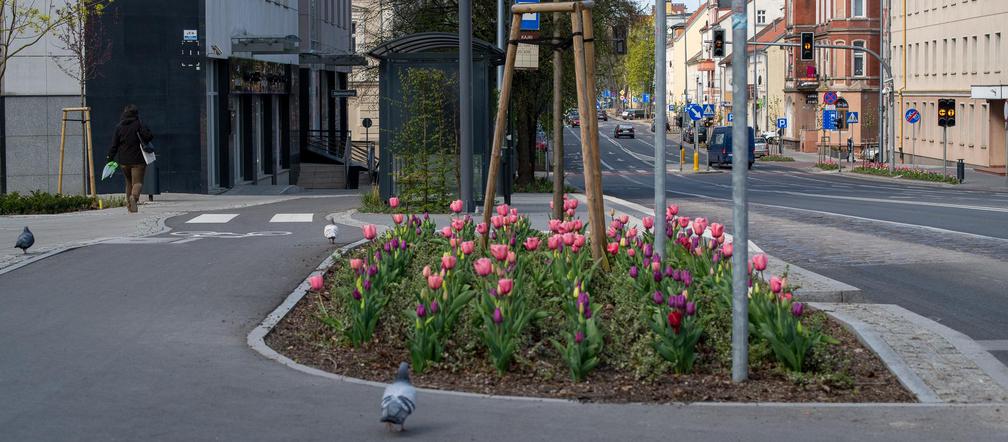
{"points": [[130, 136]]}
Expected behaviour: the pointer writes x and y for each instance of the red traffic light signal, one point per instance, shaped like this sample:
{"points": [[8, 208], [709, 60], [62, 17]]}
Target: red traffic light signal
{"points": [[807, 46]]}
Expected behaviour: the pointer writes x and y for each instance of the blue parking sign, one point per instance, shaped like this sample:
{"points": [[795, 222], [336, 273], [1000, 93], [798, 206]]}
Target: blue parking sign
{"points": [[782, 123], [731, 118], [829, 120]]}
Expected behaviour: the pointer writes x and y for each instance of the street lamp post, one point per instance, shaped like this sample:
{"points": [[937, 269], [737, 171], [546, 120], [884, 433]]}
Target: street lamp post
{"points": [[659, 128], [740, 203], [465, 103]]}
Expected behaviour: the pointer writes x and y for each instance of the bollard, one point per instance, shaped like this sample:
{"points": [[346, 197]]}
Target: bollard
{"points": [[960, 170]]}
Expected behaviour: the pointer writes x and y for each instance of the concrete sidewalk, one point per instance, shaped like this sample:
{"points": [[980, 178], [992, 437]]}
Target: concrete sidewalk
{"points": [[54, 233]]}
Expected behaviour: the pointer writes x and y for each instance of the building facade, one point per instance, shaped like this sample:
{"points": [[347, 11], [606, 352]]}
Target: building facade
{"points": [[220, 83], [370, 25], [952, 49], [854, 76]]}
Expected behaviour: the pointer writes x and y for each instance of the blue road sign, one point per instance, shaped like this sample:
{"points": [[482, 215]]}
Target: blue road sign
{"points": [[852, 118], [912, 116], [671, 108], [830, 97], [634, 99], [731, 118], [829, 120], [529, 22], [695, 111], [782, 123], [647, 98], [708, 110]]}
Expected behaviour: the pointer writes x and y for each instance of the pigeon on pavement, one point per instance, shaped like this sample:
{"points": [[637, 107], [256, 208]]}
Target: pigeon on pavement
{"points": [[329, 232], [25, 240], [399, 399]]}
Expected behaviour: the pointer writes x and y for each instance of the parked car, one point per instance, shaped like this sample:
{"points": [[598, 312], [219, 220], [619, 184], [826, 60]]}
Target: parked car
{"points": [[871, 154], [575, 120], [719, 151], [602, 115], [625, 114], [540, 142], [623, 130], [762, 147], [688, 134]]}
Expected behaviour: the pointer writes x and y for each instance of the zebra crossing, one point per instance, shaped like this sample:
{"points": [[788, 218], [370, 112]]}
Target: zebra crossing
{"points": [[278, 218]]}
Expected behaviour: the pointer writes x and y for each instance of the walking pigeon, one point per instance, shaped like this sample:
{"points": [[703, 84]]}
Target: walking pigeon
{"points": [[329, 232], [25, 240], [399, 399]]}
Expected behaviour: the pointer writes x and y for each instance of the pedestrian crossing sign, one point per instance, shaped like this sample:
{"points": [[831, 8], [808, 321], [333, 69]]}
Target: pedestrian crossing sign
{"points": [[852, 117], [708, 110]]}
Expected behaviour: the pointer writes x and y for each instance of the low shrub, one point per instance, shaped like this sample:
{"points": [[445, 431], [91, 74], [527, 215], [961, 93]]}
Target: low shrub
{"points": [[39, 203]]}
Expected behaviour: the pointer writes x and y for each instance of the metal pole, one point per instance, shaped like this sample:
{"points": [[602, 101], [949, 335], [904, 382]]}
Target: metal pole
{"points": [[1005, 105], [945, 151], [881, 83], [913, 154], [500, 38], [558, 147], [755, 71], [696, 124], [740, 206], [465, 103], [661, 73]]}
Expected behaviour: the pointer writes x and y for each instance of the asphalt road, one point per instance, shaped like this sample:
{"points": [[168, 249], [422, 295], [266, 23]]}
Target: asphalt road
{"points": [[946, 254]]}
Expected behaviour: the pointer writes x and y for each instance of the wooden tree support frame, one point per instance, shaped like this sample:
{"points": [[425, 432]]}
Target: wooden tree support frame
{"points": [[89, 177], [584, 69]]}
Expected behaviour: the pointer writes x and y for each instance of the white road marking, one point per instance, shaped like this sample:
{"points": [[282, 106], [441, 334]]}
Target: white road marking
{"points": [[292, 218], [213, 218]]}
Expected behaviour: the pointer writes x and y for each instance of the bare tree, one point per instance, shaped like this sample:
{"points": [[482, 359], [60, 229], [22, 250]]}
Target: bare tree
{"points": [[22, 25], [82, 34]]}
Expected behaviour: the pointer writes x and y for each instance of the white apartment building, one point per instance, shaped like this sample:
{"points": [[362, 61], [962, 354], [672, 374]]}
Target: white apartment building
{"points": [[952, 49]]}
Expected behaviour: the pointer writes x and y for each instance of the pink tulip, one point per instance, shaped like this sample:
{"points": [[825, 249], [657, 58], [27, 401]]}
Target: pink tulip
{"points": [[760, 262], [316, 282], [448, 262], [397, 218], [648, 222], [497, 221], [726, 249], [483, 266], [482, 228], [499, 251], [615, 224], [504, 286], [570, 212], [624, 219], [434, 281], [554, 242], [502, 210], [356, 263], [512, 218], [456, 206], [788, 296], [468, 247], [568, 238], [578, 225], [453, 242], [684, 222], [446, 231], [458, 224], [512, 257], [717, 230], [699, 225], [611, 232], [426, 272], [571, 204], [531, 243], [612, 248], [656, 266], [579, 240], [632, 233], [393, 202], [370, 231], [575, 248], [671, 210], [631, 252], [554, 225], [775, 284], [513, 212]]}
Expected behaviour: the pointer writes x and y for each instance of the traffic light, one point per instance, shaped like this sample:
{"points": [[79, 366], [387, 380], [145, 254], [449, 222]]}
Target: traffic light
{"points": [[718, 44], [807, 45], [946, 112], [619, 39]]}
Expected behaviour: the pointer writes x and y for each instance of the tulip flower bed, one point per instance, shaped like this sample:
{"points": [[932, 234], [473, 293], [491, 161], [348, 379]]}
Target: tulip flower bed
{"points": [[828, 165], [882, 169], [532, 314]]}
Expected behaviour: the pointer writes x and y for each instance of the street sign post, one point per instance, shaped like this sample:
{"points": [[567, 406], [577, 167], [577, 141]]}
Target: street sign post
{"points": [[695, 111], [913, 116], [782, 123], [830, 97]]}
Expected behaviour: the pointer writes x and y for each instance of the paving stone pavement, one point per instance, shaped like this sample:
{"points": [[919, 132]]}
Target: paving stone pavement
{"points": [[951, 373]]}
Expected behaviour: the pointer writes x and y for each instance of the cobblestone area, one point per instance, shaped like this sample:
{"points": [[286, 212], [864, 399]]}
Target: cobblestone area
{"points": [[950, 373]]}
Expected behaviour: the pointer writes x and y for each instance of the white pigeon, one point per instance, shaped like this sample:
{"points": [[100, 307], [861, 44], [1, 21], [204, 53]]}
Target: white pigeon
{"points": [[329, 232], [399, 399]]}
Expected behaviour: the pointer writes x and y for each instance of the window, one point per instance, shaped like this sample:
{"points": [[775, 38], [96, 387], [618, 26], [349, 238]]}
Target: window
{"points": [[997, 53], [952, 57], [965, 52], [917, 63], [945, 57], [859, 59], [934, 57], [986, 53], [927, 65], [353, 36], [761, 16], [858, 7], [973, 63]]}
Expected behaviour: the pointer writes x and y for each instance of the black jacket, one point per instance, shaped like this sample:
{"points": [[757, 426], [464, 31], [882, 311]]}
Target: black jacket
{"points": [[126, 144]]}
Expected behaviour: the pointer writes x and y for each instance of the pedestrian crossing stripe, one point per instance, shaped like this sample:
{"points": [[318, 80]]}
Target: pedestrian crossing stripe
{"points": [[212, 218], [292, 218]]}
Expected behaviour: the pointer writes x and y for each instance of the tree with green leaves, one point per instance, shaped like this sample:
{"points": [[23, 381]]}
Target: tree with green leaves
{"points": [[82, 35], [640, 61]]}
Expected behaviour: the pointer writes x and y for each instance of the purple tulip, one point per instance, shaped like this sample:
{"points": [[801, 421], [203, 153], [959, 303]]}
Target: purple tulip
{"points": [[669, 231], [402, 245], [395, 243], [677, 275], [433, 307], [421, 311], [498, 317], [657, 297], [797, 309], [492, 292], [426, 216], [690, 309], [587, 312], [716, 257], [582, 299], [512, 241], [578, 337], [418, 231], [372, 270], [387, 247], [356, 294], [367, 284], [633, 272], [647, 262], [695, 242], [686, 278], [680, 302], [648, 250], [377, 255], [657, 276], [669, 272], [671, 301]]}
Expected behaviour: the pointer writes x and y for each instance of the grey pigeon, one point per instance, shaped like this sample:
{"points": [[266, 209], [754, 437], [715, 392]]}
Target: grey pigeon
{"points": [[25, 240], [399, 399]]}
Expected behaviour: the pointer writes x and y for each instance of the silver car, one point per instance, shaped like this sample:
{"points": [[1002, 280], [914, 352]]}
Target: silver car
{"points": [[762, 149]]}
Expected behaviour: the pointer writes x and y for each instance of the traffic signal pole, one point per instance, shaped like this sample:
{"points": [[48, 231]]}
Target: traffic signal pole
{"points": [[661, 34], [740, 202]]}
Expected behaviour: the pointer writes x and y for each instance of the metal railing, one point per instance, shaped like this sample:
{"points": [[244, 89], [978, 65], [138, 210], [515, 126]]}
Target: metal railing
{"points": [[320, 140]]}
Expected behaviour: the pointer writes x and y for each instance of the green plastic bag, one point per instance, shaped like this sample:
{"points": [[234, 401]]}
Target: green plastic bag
{"points": [[110, 168]]}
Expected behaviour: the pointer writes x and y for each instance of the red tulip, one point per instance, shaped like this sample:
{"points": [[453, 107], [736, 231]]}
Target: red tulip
{"points": [[316, 282], [483, 266], [370, 231], [760, 262], [775, 284], [531, 243], [393, 202], [499, 251], [675, 320], [612, 248], [717, 230]]}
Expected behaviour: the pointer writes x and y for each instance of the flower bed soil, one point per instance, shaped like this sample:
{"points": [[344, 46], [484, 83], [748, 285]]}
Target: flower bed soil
{"points": [[539, 372]]}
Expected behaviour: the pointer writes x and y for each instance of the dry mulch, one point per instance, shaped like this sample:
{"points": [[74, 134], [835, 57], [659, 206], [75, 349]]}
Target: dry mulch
{"points": [[304, 339]]}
